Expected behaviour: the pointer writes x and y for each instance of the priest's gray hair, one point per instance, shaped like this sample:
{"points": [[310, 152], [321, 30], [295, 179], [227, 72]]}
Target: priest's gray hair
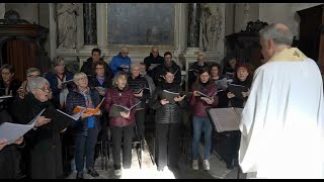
{"points": [[36, 83], [279, 33]]}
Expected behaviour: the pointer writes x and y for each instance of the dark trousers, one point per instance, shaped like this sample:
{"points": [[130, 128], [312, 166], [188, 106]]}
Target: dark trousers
{"points": [[85, 145], [10, 163], [140, 119], [102, 135], [167, 143], [67, 150], [122, 137]]}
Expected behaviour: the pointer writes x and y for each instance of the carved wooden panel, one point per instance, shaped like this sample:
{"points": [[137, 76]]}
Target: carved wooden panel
{"points": [[22, 55]]}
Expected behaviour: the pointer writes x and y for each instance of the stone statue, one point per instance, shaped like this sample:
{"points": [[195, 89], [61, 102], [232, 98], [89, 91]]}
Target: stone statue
{"points": [[66, 14], [211, 27]]}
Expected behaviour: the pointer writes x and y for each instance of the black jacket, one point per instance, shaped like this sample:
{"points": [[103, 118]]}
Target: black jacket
{"points": [[152, 60], [137, 84], [13, 87], [168, 113], [237, 101], [87, 68], [43, 144], [93, 82], [159, 71]]}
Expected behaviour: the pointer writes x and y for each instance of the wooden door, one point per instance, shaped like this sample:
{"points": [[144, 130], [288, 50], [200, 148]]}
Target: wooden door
{"points": [[22, 55]]}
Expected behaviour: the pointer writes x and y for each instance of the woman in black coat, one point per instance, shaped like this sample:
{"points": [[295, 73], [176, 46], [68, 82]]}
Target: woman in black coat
{"points": [[168, 121], [243, 76], [43, 144]]}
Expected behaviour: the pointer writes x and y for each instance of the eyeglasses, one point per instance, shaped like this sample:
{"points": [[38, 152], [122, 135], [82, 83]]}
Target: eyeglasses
{"points": [[32, 76], [46, 90]]}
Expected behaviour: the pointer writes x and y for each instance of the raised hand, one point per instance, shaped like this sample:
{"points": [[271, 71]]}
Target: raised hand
{"points": [[230, 95], [3, 143], [208, 100], [164, 101], [139, 94], [19, 140], [125, 114], [246, 94], [41, 120], [179, 98], [195, 93]]}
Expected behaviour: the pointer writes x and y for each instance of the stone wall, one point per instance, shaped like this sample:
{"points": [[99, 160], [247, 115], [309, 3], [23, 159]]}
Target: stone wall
{"points": [[2, 10], [284, 13], [27, 11]]}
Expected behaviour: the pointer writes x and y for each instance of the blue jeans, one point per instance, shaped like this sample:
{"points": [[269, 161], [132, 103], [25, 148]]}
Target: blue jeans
{"points": [[201, 125]]}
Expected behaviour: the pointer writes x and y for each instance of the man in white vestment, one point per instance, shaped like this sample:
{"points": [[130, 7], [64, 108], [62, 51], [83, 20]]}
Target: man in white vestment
{"points": [[282, 122]]}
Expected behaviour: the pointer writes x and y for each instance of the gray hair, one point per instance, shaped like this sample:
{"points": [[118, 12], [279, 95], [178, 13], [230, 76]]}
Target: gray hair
{"points": [[277, 34], [57, 61], [36, 83], [79, 75], [117, 76], [32, 70]]}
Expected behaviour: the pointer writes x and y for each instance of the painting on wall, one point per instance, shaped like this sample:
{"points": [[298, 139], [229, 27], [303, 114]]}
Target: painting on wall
{"points": [[141, 23]]}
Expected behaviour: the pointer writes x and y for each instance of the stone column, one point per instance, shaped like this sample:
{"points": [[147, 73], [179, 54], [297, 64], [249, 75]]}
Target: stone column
{"points": [[193, 24], [2, 10], [90, 23], [194, 15]]}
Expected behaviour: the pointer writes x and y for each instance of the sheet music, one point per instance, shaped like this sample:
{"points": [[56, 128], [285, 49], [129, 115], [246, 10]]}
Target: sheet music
{"points": [[33, 121], [68, 81], [102, 100], [169, 95], [5, 96], [126, 108], [102, 89], [13, 131], [116, 109], [152, 66], [237, 89], [140, 90], [75, 117]]}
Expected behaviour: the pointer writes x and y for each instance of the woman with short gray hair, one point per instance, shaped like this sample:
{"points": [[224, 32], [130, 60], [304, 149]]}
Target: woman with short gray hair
{"points": [[87, 126], [43, 150]]}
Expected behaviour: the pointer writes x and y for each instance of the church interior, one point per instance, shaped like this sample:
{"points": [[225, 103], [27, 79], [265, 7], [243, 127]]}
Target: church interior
{"points": [[42, 35]]}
